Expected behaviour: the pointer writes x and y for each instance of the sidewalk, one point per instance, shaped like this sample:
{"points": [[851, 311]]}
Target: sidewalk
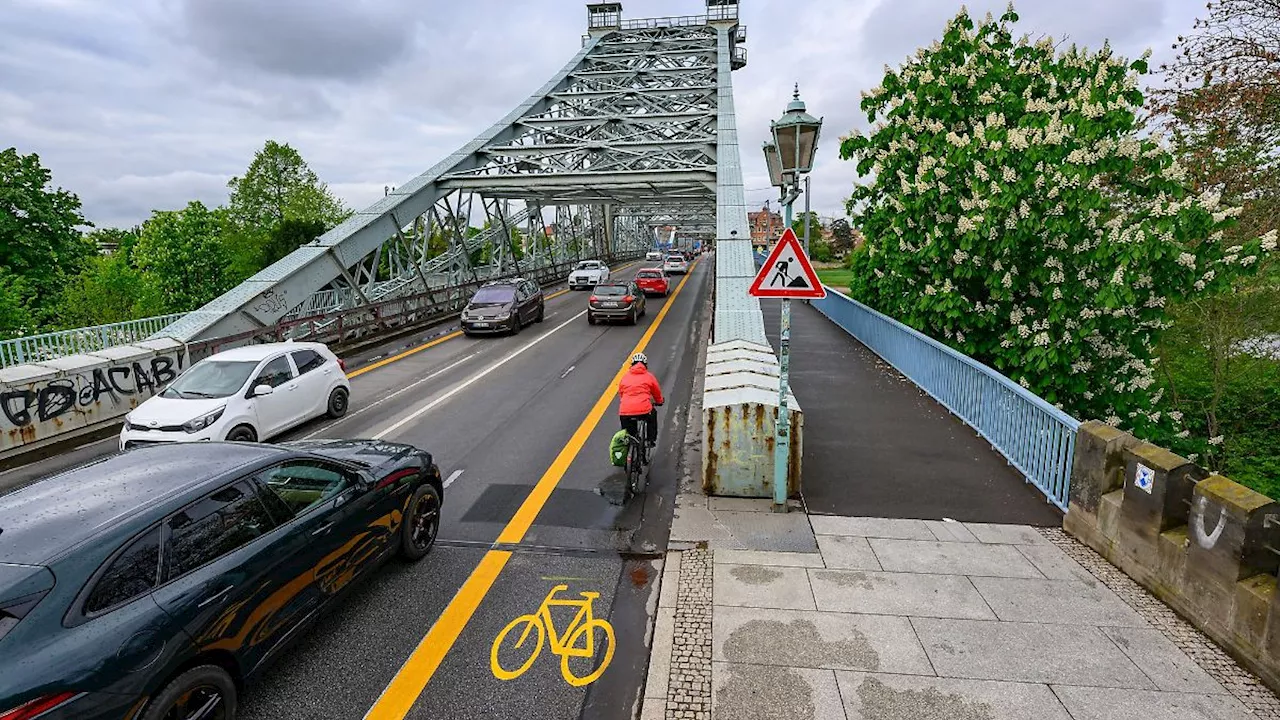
{"points": [[896, 619]]}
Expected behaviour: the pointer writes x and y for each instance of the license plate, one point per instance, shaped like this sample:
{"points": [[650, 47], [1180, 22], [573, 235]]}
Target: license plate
{"points": [[610, 304], [479, 324]]}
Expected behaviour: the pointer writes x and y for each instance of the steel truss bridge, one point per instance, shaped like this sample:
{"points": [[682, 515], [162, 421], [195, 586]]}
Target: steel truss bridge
{"points": [[635, 132]]}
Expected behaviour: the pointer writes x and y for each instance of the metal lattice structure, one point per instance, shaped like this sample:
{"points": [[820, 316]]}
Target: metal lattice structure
{"points": [[631, 134]]}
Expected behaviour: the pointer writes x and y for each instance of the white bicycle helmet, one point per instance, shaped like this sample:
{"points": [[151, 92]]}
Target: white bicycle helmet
{"points": [[639, 358]]}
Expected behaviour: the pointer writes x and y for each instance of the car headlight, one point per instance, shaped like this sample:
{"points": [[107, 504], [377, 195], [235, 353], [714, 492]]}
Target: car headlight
{"points": [[203, 421]]}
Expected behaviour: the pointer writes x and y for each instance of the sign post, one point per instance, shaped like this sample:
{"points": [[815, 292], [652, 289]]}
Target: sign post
{"points": [[786, 273]]}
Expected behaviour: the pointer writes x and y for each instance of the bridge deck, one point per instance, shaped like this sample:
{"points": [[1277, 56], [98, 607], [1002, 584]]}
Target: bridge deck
{"points": [[876, 445]]}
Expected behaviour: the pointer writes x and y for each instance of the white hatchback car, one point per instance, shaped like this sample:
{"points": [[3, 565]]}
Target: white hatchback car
{"points": [[248, 394], [653, 255]]}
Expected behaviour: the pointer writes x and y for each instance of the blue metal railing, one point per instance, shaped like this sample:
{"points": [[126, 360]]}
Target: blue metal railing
{"points": [[1037, 438], [47, 346]]}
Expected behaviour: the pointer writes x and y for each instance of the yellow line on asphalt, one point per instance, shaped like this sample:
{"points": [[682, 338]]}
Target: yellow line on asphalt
{"points": [[398, 698], [456, 333]]}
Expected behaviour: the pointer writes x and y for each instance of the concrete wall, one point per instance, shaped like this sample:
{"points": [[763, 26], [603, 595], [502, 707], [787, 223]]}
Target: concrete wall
{"points": [[1200, 542], [57, 398]]}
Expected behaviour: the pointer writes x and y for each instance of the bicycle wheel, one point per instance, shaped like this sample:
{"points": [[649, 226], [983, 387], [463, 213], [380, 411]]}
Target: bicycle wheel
{"points": [[635, 464], [521, 622], [567, 672]]}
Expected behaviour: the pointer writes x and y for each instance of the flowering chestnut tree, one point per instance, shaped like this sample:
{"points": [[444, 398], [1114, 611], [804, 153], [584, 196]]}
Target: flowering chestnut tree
{"points": [[1013, 206]]}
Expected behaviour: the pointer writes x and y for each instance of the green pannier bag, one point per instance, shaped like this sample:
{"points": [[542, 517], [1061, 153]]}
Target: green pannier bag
{"points": [[618, 448]]}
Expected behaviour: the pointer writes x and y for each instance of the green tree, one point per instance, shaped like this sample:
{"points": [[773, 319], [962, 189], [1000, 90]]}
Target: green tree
{"points": [[289, 235], [40, 233], [841, 236], [108, 290], [815, 227], [1018, 209], [821, 250], [15, 319], [182, 258], [277, 186]]}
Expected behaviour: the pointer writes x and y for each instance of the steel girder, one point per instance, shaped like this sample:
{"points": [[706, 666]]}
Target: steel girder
{"points": [[622, 139]]}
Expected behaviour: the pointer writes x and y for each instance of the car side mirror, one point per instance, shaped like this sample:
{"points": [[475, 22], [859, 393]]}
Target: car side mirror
{"points": [[262, 390]]}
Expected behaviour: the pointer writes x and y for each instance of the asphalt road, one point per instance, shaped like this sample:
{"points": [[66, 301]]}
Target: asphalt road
{"points": [[502, 416]]}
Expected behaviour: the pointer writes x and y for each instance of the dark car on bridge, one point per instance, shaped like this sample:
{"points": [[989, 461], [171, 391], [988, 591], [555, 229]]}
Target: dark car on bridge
{"points": [[503, 306], [149, 585], [616, 301]]}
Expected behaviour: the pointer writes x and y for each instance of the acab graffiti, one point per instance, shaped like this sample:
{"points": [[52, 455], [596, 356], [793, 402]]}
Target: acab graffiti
{"points": [[46, 400]]}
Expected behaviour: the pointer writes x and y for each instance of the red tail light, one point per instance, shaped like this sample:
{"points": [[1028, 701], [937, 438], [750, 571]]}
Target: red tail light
{"points": [[593, 299], [37, 707], [627, 299], [342, 365]]}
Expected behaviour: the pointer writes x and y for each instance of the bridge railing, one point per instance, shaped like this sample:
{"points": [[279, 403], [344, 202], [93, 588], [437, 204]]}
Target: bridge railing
{"points": [[47, 346], [1037, 438]]}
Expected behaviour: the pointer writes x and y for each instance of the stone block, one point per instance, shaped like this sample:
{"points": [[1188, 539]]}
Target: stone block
{"points": [[1098, 465], [1172, 553], [1157, 491], [1226, 545], [1109, 514], [1254, 596]]}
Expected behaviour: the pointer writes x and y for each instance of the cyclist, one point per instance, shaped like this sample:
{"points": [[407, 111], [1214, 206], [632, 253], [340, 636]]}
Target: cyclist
{"points": [[640, 396]]}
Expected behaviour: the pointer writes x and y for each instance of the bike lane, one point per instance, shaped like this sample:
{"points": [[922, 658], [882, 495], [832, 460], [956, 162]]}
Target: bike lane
{"points": [[582, 536]]}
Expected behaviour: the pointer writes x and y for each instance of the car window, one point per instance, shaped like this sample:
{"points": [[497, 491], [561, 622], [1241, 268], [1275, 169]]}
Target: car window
{"points": [[214, 526], [275, 373], [303, 484], [610, 290], [307, 360], [211, 379], [133, 572], [495, 294]]}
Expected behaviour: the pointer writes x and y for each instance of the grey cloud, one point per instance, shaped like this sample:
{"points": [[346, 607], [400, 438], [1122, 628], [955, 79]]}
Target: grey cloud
{"points": [[348, 39]]}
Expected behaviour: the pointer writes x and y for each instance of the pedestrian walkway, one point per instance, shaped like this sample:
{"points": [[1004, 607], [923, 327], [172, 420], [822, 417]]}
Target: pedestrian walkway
{"points": [[897, 619], [876, 445]]}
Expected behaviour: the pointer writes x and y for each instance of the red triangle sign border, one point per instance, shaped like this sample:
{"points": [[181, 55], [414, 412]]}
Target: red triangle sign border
{"points": [[815, 289]]}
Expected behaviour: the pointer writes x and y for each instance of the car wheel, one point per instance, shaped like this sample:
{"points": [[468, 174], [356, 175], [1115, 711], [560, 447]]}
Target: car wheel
{"points": [[591, 319], [515, 324], [202, 692], [421, 523], [542, 313], [242, 433], [338, 402], [632, 319]]}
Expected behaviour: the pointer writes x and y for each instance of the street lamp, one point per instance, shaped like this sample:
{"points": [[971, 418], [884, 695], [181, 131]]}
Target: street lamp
{"points": [[790, 155]]}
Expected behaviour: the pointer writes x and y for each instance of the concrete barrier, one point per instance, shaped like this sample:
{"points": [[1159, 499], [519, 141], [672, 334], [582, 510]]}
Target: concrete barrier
{"points": [[740, 415], [1203, 544], [55, 399]]}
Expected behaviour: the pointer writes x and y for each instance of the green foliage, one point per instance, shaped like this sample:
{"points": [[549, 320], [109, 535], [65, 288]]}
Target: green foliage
{"points": [[15, 319], [820, 251], [1019, 211], [841, 236], [108, 290], [39, 231], [280, 185], [289, 235], [815, 226], [182, 258]]}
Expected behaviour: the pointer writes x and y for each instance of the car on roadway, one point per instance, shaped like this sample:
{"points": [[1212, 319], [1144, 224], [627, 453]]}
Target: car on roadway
{"points": [[675, 264], [246, 394], [653, 281], [150, 585], [653, 256], [588, 274], [616, 301], [504, 306]]}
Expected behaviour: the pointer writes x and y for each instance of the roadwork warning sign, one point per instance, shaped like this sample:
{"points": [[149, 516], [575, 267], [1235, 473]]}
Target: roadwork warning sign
{"points": [[787, 273]]}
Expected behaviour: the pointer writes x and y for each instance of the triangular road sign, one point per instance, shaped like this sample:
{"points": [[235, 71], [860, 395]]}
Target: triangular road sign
{"points": [[787, 272]]}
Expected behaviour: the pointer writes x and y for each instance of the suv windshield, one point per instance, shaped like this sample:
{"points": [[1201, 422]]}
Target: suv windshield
{"points": [[674, 258], [611, 290], [588, 265], [649, 274], [499, 294], [211, 379]]}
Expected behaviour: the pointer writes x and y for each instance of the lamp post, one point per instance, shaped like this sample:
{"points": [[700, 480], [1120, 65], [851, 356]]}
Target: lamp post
{"points": [[788, 156]]}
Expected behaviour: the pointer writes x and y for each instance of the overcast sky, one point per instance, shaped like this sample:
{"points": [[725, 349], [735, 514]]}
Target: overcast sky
{"points": [[138, 105]]}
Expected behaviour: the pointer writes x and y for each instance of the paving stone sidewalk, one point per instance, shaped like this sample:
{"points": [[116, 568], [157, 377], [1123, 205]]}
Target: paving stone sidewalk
{"points": [[892, 619]]}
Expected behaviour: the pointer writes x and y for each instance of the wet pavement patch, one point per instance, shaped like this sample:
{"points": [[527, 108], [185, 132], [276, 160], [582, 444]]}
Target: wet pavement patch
{"points": [[754, 574], [853, 579], [798, 644], [567, 507], [764, 693], [881, 702]]}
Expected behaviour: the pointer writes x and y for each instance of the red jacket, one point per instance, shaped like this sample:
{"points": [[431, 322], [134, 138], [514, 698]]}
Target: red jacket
{"points": [[638, 391]]}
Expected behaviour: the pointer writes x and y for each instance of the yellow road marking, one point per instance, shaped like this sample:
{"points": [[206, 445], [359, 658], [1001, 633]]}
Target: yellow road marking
{"points": [[405, 688], [456, 333]]}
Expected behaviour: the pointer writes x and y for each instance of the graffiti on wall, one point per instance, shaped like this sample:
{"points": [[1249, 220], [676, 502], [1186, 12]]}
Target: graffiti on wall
{"points": [[47, 400]]}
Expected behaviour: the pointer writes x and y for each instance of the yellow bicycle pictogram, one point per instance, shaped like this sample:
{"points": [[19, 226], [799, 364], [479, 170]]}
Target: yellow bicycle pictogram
{"points": [[577, 641]]}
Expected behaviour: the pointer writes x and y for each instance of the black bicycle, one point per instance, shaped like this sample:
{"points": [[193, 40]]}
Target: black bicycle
{"points": [[639, 454]]}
